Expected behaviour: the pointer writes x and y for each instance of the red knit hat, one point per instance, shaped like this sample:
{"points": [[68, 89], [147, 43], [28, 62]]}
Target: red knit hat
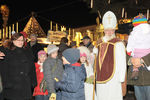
{"points": [[24, 34]]}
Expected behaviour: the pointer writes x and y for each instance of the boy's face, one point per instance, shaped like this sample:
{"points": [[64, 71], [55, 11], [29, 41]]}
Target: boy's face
{"points": [[54, 54], [86, 41], [82, 59], [42, 58], [65, 60]]}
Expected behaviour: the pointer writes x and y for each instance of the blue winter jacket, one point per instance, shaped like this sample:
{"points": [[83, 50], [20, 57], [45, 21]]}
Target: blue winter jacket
{"points": [[72, 84]]}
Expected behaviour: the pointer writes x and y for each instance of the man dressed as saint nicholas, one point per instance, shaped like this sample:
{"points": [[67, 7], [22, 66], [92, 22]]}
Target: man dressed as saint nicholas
{"points": [[110, 61]]}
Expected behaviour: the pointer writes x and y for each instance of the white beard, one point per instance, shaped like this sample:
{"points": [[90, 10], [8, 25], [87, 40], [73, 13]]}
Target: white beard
{"points": [[107, 38]]}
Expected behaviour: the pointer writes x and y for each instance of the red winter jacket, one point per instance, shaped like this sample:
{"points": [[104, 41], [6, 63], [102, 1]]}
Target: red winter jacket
{"points": [[40, 77]]}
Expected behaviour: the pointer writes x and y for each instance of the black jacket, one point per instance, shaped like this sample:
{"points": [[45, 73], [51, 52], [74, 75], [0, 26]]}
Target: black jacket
{"points": [[90, 46], [35, 49], [18, 74], [62, 47]]}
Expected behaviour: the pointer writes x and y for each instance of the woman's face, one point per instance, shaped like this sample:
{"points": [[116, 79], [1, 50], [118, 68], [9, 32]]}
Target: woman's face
{"points": [[42, 58], [83, 59], [19, 42]]}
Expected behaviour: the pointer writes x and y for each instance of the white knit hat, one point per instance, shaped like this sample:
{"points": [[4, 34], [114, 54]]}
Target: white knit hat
{"points": [[85, 50], [51, 48], [109, 20]]}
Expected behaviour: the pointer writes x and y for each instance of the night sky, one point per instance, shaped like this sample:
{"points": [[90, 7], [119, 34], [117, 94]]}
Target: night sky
{"points": [[71, 13]]}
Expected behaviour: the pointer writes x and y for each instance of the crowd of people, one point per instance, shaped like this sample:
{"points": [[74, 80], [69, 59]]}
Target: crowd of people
{"points": [[86, 72]]}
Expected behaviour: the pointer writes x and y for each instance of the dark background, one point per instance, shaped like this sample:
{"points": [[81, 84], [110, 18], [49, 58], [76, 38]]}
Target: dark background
{"points": [[71, 13]]}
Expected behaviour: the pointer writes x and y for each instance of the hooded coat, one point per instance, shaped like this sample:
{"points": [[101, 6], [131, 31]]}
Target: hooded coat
{"points": [[72, 84]]}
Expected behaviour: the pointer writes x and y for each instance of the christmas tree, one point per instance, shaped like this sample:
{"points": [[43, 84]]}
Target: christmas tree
{"points": [[33, 27]]}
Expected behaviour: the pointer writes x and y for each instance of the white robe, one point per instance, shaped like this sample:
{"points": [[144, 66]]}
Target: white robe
{"points": [[88, 88], [112, 90]]}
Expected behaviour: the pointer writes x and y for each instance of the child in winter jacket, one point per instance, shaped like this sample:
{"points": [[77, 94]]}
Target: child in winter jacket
{"points": [[139, 42], [53, 68], [72, 84], [38, 93], [84, 59]]}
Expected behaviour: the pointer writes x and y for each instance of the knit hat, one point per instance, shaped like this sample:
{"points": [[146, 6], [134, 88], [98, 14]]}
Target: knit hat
{"points": [[72, 55], [86, 37], [84, 51], [51, 48], [140, 19], [41, 52], [24, 34]]}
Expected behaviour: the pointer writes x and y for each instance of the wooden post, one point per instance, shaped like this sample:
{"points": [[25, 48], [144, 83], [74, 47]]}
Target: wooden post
{"points": [[56, 27], [91, 3], [17, 27], [13, 27], [61, 28], [9, 31], [51, 25], [3, 33], [126, 15], [6, 31], [69, 37], [147, 14], [122, 12]]}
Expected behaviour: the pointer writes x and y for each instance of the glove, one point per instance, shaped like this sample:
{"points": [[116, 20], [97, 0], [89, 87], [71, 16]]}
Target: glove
{"points": [[89, 80], [95, 50], [52, 97], [56, 79]]}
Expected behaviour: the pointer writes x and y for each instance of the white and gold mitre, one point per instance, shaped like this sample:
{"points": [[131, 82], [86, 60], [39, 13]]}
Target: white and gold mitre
{"points": [[109, 20]]}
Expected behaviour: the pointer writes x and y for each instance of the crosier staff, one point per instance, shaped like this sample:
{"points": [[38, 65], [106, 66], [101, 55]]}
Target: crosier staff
{"points": [[95, 51]]}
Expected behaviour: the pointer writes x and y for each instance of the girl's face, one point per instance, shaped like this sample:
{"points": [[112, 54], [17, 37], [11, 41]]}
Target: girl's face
{"points": [[54, 54], [19, 42], [42, 58], [65, 61], [83, 59]]}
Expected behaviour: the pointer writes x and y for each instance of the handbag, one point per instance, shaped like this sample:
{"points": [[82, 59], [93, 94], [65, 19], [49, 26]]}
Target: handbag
{"points": [[43, 84]]}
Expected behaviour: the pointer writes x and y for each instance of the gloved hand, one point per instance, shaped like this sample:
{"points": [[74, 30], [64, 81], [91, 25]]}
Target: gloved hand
{"points": [[95, 50], [52, 97], [89, 80], [56, 79], [56, 83]]}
